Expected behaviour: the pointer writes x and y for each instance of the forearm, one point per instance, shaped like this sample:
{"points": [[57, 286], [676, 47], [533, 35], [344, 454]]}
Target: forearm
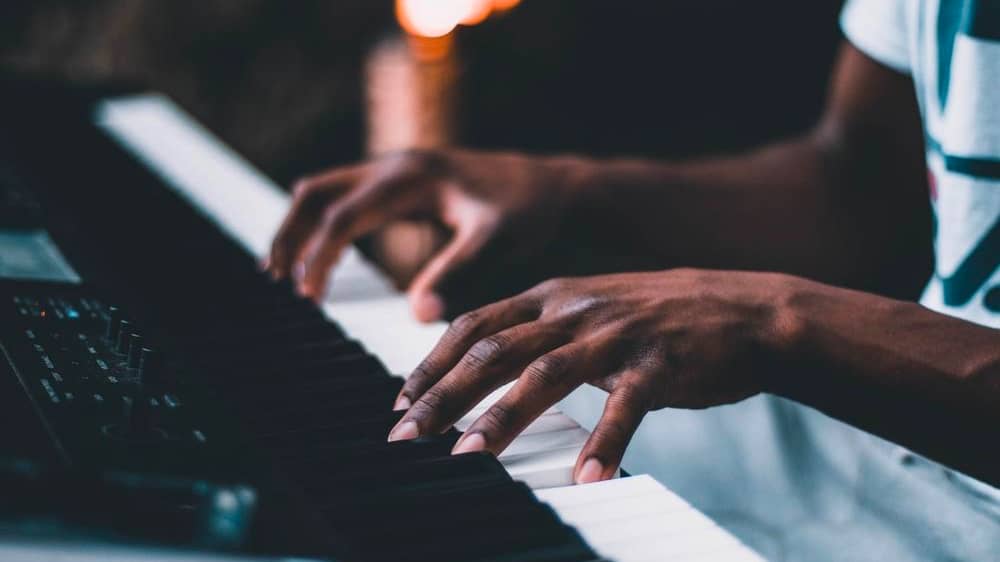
{"points": [[919, 378], [846, 203], [801, 207], [771, 209]]}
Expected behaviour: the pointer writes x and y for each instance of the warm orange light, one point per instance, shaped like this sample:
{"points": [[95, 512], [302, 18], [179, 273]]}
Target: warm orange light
{"points": [[478, 11], [505, 4], [437, 18], [430, 18]]}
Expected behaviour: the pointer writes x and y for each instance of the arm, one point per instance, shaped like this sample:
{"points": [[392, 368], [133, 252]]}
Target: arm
{"points": [[845, 204], [896, 369]]}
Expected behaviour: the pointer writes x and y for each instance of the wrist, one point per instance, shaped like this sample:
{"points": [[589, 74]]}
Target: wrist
{"points": [[573, 176], [783, 334]]}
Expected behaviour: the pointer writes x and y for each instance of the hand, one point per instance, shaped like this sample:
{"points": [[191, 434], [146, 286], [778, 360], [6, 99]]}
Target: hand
{"points": [[681, 338], [500, 208]]}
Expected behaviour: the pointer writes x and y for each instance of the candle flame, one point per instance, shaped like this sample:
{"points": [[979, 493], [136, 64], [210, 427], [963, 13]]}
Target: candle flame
{"points": [[437, 18]]}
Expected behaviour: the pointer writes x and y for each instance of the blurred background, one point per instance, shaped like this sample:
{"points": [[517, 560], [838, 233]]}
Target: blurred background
{"points": [[299, 86]]}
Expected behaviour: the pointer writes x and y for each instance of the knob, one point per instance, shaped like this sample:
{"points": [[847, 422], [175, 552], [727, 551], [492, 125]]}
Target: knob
{"points": [[137, 415], [134, 351], [151, 368], [111, 330], [124, 330]]}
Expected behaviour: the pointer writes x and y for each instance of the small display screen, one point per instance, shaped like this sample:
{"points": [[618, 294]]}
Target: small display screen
{"points": [[31, 255]]}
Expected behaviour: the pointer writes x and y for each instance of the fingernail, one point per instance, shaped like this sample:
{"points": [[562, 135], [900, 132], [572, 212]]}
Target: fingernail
{"points": [[402, 403], [469, 443], [591, 471], [428, 307], [404, 432]]}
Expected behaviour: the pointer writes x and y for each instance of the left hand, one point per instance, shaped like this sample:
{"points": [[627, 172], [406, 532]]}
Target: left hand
{"points": [[679, 338]]}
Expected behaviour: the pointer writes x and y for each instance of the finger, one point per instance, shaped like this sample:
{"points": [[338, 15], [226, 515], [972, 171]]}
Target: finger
{"points": [[463, 252], [366, 208], [626, 406], [547, 380], [310, 196], [461, 335], [489, 364]]}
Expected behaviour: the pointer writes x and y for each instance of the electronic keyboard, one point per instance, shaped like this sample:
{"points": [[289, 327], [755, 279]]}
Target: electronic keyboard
{"points": [[201, 405]]}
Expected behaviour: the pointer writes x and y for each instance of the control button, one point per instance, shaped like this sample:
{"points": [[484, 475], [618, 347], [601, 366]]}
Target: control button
{"points": [[134, 351], [151, 371], [114, 317], [124, 330], [138, 424], [137, 415]]}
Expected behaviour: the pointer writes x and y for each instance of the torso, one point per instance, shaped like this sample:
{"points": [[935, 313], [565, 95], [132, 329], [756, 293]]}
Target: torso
{"points": [[954, 54]]}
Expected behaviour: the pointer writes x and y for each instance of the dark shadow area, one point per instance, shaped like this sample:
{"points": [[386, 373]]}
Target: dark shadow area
{"points": [[283, 81]]}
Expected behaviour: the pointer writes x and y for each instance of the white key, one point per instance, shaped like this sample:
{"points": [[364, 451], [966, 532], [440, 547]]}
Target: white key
{"points": [[550, 440], [638, 528], [554, 421], [544, 469], [567, 497], [637, 519]]}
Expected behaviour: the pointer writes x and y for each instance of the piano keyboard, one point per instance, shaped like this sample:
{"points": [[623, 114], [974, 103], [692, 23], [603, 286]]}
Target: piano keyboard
{"points": [[628, 519], [362, 301]]}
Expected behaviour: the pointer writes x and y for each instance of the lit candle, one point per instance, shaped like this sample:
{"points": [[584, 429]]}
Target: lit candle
{"points": [[411, 89]]}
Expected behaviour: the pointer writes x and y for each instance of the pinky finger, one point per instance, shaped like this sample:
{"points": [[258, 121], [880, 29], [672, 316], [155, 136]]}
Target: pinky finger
{"points": [[601, 456]]}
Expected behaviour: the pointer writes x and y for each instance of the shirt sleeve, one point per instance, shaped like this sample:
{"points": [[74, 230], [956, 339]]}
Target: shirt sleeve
{"points": [[878, 28]]}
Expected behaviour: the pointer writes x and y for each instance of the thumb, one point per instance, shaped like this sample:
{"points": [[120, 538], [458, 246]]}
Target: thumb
{"points": [[462, 253]]}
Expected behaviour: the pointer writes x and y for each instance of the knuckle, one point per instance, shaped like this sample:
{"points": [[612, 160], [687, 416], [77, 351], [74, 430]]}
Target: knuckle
{"points": [[548, 370], [547, 286], [422, 159], [433, 399], [487, 350], [467, 323], [612, 432], [424, 369], [337, 217], [554, 286], [421, 374], [628, 394], [498, 417]]}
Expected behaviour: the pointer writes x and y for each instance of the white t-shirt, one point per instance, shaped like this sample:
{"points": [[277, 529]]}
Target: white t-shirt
{"points": [[795, 484], [951, 48]]}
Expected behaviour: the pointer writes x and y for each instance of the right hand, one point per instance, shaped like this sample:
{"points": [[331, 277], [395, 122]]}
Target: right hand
{"points": [[499, 208]]}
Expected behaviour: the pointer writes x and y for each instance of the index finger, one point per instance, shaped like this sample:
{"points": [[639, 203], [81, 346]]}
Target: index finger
{"points": [[489, 364], [383, 196], [309, 197], [462, 334]]}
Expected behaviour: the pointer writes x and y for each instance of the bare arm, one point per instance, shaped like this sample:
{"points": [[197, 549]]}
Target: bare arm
{"points": [[697, 338], [921, 379], [845, 204]]}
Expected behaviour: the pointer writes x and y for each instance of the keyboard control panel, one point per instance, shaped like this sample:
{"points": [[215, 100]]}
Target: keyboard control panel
{"points": [[102, 385]]}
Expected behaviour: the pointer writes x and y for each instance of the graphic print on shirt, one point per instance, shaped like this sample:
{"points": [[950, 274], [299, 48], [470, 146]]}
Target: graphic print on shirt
{"points": [[977, 23]]}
